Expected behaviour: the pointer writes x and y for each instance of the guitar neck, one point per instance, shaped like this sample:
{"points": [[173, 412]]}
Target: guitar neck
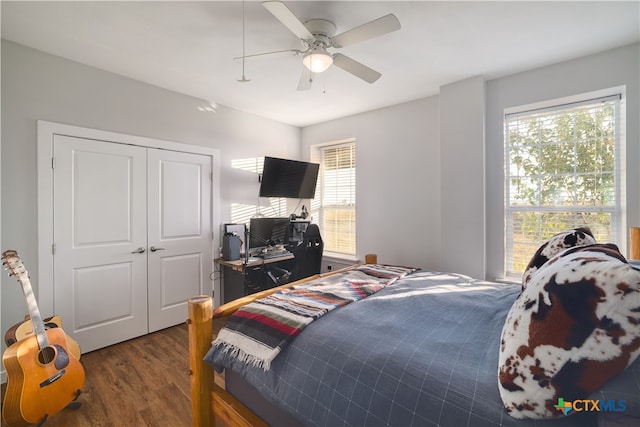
{"points": [[34, 313], [13, 263]]}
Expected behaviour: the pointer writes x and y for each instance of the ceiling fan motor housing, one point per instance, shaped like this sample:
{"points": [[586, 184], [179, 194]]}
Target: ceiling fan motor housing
{"points": [[322, 30]]}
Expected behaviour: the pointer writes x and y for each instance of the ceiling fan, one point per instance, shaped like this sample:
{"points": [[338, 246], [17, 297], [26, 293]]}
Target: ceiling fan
{"points": [[318, 35]]}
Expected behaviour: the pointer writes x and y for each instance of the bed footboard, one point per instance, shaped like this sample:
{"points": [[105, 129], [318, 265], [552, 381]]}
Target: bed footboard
{"points": [[200, 336], [211, 404]]}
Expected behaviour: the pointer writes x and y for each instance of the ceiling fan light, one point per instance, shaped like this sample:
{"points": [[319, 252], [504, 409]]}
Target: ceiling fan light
{"points": [[318, 60]]}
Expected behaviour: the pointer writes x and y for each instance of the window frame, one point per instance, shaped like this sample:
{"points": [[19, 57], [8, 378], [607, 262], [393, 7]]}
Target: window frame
{"points": [[318, 206], [617, 209]]}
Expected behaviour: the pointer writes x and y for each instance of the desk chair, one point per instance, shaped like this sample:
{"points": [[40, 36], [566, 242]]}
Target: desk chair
{"points": [[308, 254]]}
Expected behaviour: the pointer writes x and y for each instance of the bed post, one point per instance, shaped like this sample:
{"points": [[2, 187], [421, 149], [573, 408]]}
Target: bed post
{"points": [[200, 327]]}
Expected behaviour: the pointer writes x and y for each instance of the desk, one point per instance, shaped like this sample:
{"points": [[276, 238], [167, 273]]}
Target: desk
{"points": [[240, 279], [239, 264]]}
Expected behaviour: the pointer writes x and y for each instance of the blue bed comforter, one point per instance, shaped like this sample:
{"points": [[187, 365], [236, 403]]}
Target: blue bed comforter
{"points": [[422, 352]]}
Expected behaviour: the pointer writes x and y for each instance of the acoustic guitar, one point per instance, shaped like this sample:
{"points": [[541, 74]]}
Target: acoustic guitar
{"points": [[43, 375], [25, 329]]}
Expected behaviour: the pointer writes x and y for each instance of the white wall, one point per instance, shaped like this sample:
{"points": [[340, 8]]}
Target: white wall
{"points": [[612, 68], [463, 188], [408, 157], [38, 86], [397, 180]]}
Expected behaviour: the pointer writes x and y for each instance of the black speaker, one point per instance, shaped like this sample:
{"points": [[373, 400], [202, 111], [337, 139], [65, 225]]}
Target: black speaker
{"points": [[230, 247]]}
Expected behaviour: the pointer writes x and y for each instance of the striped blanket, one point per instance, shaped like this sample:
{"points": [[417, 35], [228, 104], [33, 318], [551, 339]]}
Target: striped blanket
{"points": [[256, 333]]}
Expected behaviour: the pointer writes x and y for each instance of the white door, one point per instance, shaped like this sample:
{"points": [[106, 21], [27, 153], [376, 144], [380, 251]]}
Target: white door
{"points": [[100, 221], [132, 233], [179, 233]]}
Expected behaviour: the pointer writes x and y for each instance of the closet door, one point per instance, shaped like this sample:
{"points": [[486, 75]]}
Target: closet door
{"points": [[100, 235], [179, 233]]}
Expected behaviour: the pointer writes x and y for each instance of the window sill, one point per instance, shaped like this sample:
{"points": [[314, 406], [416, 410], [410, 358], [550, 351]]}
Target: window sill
{"points": [[513, 280], [344, 258]]}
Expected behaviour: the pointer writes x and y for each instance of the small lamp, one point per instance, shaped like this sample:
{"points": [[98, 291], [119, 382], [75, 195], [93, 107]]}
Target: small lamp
{"points": [[318, 60], [634, 243]]}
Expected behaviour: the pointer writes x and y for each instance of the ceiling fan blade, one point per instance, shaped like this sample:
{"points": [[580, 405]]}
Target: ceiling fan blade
{"points": [[274, 53], [356, 68], [284, 15], [306, 79], [375, 28]]}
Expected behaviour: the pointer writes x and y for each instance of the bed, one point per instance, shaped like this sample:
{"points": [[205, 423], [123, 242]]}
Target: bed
{"points": [[423, 351]]}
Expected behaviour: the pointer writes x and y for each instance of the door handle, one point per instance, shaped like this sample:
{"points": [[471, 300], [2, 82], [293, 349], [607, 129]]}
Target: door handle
{"points": [[153, 249], [140, 250]]}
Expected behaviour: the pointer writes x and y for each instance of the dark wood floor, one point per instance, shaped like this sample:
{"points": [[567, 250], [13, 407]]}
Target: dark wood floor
{"points": [[141, 382]]}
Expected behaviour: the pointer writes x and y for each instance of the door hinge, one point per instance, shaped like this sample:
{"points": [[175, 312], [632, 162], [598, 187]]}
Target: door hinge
{"points": [[53, 249], [53, 163]]}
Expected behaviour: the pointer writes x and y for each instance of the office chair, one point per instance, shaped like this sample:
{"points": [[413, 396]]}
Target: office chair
{"points": [[308, 254]]}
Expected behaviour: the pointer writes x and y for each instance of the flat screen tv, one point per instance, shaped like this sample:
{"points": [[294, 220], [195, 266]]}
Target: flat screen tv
{"points": [[288, 178]]}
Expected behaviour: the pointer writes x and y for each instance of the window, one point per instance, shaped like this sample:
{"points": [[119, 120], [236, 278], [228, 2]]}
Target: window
{"points": [[334, 207], [562, 170]]}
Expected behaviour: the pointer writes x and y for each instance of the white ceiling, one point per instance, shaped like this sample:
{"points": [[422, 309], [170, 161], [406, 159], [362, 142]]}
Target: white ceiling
{"points": [[188, 47]]}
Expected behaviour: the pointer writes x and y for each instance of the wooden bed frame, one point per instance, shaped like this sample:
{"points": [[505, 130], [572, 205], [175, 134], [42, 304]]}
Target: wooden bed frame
{"points": [[211, 404]]}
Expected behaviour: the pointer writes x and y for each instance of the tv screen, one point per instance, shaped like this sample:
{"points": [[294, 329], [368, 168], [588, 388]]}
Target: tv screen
{"points": [[288, 178]]}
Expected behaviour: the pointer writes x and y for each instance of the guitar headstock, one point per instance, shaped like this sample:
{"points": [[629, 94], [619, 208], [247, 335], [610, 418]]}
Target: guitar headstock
{"points": [[12, 262]]}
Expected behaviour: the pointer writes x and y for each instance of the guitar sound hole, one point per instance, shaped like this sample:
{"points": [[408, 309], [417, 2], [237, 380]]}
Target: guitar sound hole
{"points": [[46, 355]]}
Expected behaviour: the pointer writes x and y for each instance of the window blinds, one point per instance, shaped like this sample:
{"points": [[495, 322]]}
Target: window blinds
{"points": [[562, 171], [337, 195]]}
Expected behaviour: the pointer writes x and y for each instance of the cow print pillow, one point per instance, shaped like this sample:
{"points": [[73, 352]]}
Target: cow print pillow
{"points": [[558, 243], [574, 327]]}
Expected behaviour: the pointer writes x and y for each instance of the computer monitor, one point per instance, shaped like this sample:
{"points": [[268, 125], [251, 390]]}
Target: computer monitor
{"points": [[264, 232], [279, 230]]}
